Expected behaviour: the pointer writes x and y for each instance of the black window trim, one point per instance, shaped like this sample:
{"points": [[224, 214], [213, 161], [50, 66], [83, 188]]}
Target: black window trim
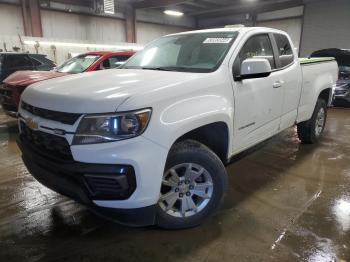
{"points": [[276, 53], [33, 58], [30, 60]]}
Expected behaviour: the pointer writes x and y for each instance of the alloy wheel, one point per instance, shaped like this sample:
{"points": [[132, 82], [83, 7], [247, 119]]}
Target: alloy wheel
{"points": [[320, 121], [186, 190]]}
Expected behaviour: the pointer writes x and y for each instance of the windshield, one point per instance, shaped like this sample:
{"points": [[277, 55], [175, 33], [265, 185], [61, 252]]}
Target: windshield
{"points": [[197, 52], [77, 64]]}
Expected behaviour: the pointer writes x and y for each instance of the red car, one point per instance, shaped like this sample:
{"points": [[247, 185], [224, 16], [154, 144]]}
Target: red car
{"points": [[14, 85]]}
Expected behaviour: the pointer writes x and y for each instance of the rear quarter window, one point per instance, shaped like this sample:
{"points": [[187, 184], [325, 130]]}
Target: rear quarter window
{"points": [[42, 60], [285, 52]]}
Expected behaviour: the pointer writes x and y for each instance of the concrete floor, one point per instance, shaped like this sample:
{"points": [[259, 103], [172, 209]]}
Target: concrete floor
{"points": [[286, 202]]}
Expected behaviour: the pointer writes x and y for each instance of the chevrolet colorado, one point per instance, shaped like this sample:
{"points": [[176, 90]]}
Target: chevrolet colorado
{"points": [[147, 144]]}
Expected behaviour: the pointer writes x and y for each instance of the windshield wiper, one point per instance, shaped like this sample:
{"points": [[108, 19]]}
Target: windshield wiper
{"points": [[158, 68], [169, 68]]}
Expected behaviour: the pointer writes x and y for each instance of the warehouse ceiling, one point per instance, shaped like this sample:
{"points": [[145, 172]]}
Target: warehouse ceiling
{"points": [[215, 8], [196, 8]]}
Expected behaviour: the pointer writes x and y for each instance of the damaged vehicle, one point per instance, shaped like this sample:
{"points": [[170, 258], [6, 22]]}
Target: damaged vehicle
{"points": [[341, 96]]}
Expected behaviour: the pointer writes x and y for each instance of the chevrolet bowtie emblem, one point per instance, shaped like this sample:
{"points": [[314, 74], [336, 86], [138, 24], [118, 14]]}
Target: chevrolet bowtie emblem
{"points": [[31, 123]]}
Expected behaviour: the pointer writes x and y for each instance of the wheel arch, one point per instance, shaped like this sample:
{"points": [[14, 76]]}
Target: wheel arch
{"points": [[326, 95], [213, 135]]}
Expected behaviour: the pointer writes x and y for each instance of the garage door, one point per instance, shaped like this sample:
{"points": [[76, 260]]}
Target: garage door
{"points": [[292, 26]]}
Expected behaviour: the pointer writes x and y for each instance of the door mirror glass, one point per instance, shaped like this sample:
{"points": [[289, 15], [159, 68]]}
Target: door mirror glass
{"points": [[255, 68]]}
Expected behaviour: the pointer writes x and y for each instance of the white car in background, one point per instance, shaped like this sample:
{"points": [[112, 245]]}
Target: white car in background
{"points": [[147, 144]]}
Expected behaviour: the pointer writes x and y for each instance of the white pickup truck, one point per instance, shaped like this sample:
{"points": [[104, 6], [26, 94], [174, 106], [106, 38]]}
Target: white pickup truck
{"points": [[148, 143]]}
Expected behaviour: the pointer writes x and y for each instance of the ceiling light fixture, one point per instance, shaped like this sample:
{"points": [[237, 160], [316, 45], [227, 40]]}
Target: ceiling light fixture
{"points": [[173, 13]]}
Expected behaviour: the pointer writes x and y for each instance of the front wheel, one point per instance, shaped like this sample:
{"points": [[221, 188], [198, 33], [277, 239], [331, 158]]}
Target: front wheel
{"points": [[310, 131], [193, 186]]}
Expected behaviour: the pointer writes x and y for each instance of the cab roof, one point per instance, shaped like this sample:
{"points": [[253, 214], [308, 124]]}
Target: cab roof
{"points": [[17, 53], [103, 53], [242, 29]]}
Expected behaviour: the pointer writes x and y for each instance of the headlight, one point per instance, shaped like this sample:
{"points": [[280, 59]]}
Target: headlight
{"points": [[101, 128]]}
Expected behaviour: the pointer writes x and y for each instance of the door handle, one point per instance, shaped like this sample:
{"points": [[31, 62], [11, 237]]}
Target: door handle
{"points": [[278, 84]]}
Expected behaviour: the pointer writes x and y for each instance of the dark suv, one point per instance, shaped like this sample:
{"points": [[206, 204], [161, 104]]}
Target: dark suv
{"points": [[342, 89], [12, 62]]}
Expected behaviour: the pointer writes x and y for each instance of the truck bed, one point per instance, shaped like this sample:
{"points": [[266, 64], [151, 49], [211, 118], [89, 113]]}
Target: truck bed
{"points": [[306, 60], [317, 74]]}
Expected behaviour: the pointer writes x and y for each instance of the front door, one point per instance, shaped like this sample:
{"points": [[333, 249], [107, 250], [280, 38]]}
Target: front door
{"points": [[258, 102]]}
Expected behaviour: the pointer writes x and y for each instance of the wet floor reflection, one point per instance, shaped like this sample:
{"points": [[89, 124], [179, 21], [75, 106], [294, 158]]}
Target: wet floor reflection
{"points": [[341, 211], [285, 202]]}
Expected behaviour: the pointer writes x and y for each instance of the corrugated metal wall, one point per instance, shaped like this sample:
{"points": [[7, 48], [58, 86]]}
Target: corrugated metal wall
{"points": [[292, 26], [146, 32], [82, 27], [78, 28], [92, 28], [10, 20], [326, 25]]}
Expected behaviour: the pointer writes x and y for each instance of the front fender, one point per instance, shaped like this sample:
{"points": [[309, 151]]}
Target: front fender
{"points": [[188, 114]]}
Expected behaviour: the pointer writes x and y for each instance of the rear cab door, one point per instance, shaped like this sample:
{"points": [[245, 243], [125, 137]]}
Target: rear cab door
{"points": [[289, 74], [258, 101]]}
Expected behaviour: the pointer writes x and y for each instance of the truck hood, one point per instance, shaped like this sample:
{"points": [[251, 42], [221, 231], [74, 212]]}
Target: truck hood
{"points": [[102, 91], [25, 78]]}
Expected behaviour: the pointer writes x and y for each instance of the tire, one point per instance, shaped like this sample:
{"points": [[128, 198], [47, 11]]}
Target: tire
{"points": [[307, 131], [208, 181]]}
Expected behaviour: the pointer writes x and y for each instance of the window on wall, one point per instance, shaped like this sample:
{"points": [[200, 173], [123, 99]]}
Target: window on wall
{"points": [[285, 52], [108, 6]]}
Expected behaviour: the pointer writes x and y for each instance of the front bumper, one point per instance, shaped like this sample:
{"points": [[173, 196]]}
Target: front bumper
{"points": [[72, 180]]}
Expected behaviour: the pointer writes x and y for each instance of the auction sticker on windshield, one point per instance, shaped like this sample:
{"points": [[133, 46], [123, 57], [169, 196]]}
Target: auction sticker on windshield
{"points": [[217, 40]]}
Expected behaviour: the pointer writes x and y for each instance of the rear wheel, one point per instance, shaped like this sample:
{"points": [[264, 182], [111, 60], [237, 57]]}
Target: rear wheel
{"points": [[192, 187], [311, 131]]}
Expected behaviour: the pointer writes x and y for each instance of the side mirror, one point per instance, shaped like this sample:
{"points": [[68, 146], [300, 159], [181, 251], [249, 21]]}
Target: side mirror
{"points": [[254, 68]]}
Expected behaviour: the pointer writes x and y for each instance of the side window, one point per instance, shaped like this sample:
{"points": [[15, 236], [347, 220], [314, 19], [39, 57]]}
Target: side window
{"points": [[114, 61], [285, 52], [18, 61], [258, 46]]}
